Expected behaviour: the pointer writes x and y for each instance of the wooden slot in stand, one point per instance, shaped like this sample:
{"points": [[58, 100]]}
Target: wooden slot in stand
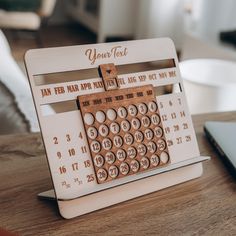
{"points": [[123, 138]]}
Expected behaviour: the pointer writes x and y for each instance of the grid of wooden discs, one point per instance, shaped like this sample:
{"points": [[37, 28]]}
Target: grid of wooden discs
{"points": [[125, 140]]}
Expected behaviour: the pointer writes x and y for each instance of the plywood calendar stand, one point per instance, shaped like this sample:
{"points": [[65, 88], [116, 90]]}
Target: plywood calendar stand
{"points": [[123, 139]]}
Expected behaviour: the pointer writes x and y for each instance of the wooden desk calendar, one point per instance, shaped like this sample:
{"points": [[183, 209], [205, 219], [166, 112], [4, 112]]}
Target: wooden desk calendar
{"points": [[123, 140]]}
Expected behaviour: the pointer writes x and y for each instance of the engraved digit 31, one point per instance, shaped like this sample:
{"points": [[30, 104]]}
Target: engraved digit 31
{"points": [[75, 166], [167, 130], [84, 149], [173, 115], [179, 140], [188, 138]]}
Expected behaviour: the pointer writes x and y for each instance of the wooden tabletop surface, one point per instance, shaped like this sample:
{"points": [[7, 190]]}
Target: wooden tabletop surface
{"points": [[204, 206]]}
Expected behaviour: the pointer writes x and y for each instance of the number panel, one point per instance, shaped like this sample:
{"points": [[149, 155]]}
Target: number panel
{"points": [[178, 128], [69, 158]]}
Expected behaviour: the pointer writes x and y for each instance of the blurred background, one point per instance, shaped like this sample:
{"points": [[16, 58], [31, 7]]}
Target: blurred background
{"points": [[204, 32]]}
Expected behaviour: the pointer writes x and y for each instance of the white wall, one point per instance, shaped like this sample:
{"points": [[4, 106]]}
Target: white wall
{"points": [[209, 17], [161, 18]]}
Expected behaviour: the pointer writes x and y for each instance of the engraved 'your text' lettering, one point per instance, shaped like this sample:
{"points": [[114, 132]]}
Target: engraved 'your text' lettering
{"points": [[115, 52]]}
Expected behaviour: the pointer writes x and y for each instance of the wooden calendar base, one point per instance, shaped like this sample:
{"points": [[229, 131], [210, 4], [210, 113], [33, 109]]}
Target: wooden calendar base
{"points": [[99, 200]]}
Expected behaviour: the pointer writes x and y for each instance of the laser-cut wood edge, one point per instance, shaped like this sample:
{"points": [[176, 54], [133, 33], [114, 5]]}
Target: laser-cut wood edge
{"points": [[50, 194], [90, 202]]}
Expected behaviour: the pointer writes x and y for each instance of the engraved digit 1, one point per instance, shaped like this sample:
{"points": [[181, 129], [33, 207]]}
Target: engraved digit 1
{"points": [[182, 114], [62, 169], [173, 115], [84, 149], [87, 164], [71, 152], [75, 166]]}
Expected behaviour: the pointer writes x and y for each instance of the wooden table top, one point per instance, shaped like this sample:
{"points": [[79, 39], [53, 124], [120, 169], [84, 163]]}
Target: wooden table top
{"points": [[204, 206]]}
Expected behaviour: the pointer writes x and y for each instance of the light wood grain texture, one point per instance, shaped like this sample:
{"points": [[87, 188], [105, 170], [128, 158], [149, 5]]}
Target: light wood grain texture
{"points": [[205, 206]]}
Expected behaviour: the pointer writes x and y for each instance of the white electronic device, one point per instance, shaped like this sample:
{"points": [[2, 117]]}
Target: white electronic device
{"points": [[221, 135]]}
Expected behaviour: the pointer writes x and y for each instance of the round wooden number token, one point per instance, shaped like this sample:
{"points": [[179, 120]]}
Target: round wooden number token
{"points": [[100, 116], [122, 112], [110, 157], [134, 165], [103, 130], [155, 119], [151, 146], [141, 149], [131, 152], [154, 160], [128, 138], [106, 143], [142, 108], [92, 132], [138, 136], [95, 146], [161, 144], [113, 171], [124, 168], [152, 106], [121, 154], [99, 160], [118, 141], [164, 157], [144, 163], [88, 118], [125, 125], [114, 128], [145, 121], [148, 133], [158, 131], [135, 122], [102, 175]]}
